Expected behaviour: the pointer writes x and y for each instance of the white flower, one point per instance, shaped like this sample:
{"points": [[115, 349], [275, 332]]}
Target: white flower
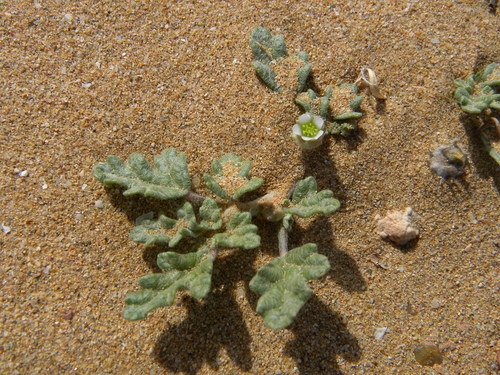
{"points": [[308, 131]]}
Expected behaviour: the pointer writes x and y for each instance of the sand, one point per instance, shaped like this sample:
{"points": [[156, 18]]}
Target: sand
{"points": [[84, 80]]}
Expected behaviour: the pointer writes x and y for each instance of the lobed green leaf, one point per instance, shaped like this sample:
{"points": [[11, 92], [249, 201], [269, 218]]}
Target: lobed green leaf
{"points": [[282, 284], [306, 201], [230, 178], [168, 179], [192, 271], [240, 232]]}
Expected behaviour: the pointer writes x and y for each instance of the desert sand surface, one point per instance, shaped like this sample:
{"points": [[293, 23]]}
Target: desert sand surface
{"points": [[81, 80]]}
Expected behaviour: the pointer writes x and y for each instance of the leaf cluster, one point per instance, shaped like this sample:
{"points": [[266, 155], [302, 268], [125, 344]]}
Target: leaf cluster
{"points": [[269, 51], [220, 222], [479, 91], [339, 106], [479, 94]]}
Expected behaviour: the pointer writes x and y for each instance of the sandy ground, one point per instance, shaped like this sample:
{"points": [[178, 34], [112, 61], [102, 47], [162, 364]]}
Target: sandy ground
{"points": [[83, 80]]}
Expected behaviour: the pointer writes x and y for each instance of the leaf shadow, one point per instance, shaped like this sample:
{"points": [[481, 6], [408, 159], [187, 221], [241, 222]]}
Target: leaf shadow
{"points": [[212, 325], [486, 166], [320, 336]]}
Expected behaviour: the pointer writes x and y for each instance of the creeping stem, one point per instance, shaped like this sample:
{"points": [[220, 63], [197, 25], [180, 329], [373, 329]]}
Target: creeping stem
{"points": [[282, 240]]}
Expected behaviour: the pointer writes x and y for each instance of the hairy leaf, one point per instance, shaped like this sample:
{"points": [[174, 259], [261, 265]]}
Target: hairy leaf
{"points": [[210, 215], [192, 271], [282, 284], [479, 91], [266, 47], [230, 179], [167, 179], [240, 232], [306, 201]]}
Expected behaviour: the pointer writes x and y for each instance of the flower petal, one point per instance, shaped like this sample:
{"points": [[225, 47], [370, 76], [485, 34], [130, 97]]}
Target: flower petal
{"points": [[319, 122], [306, 117], [296, 130]]}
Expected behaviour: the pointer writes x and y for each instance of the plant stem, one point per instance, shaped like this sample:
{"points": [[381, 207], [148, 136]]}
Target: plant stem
{"points": [[282, 240], [194, 198]]}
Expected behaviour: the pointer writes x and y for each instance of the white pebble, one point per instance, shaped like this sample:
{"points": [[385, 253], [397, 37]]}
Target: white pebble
{"points": [[68, 17], [5, 229], [24, 173], [98, 203], [379, 333]]}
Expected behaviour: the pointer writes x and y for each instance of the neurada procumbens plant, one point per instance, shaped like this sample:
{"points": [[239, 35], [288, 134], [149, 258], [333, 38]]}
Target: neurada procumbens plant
{"points": [[222, 221]]}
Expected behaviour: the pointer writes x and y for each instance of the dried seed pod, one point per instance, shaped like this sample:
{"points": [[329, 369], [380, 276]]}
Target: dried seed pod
{"points": [[448, 161]]}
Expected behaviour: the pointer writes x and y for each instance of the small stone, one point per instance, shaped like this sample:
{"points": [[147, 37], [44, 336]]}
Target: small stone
{"points": [[428, 355], [435, 304], [448, 161], [379, 333], [98, 203], [396, 227], [5, 229], [24, 173], [68, 17], [68, 315]]}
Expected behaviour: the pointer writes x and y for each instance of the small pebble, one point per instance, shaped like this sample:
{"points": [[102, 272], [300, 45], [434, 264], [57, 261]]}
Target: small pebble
{"points": [[98, 203], [428, 355], [379, 333], [5, 229], [24, 173], [435, 304]]}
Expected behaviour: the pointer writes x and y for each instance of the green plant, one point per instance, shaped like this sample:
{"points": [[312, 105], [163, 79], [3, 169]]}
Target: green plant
{"points": [[339, 107], [479, 94], [272, 61], [214, 223]]}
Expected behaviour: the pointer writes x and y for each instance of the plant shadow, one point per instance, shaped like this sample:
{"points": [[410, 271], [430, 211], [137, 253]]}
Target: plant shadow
{"points": [[486, 166], [212, 325], [320, 336]]}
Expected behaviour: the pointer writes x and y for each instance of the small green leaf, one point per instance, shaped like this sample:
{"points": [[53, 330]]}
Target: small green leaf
{"points": [[282, 284], [479, 91], [302, 76], [230, 179], [192, 271], [306, 201], [166, 230], [168, 179], [348, 116], [265, 46], [210, 215], [267, 74], [240, 233]]}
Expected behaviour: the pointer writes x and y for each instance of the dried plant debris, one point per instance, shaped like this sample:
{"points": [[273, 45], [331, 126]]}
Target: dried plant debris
{"points": [[397, 227], [368, 78], [448, 161]]}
